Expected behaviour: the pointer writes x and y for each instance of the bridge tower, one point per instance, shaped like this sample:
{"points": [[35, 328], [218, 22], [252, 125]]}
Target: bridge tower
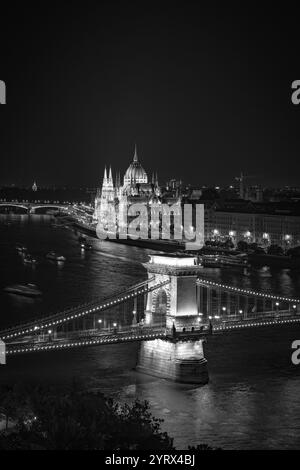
{"points": [[180, 356]]}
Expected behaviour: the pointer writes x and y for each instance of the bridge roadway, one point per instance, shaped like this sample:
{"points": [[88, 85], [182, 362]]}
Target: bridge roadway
{"points": [[32, 344], [80, 311], [93, 338]]}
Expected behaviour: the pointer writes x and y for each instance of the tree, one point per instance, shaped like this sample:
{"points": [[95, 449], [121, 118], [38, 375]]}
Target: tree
{"points": [[12, 403], [202, 447], [253, 246], [275, 250], [242, 245], [77, 419], [137, 429], [259, 251], [295, 252]]}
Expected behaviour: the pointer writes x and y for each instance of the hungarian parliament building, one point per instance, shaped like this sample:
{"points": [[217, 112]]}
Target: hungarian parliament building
{"points": [[136, 188], [264, 223]]}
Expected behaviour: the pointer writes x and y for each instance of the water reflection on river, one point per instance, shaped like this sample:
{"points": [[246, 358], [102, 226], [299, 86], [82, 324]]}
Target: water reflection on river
{"points": [[252, 400]]}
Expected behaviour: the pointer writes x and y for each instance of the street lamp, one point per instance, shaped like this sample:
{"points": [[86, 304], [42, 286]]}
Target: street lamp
{"points": [[277, 305]]}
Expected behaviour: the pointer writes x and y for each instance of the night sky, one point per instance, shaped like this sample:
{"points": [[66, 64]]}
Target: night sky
{"points": [[204, 92]]}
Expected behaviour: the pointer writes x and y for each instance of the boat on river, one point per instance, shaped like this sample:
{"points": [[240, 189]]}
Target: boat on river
{"points": [[21, 248], [222, 260], [27, 290], [55, 257], [29, 259]]}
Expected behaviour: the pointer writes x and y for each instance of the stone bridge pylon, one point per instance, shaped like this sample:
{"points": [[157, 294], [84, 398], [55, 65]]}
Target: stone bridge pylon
{"points": [[177, 300], [177, 358]]}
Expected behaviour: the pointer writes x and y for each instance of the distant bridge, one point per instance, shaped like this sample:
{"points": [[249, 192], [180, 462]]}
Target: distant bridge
{"points": [[30, 207]]}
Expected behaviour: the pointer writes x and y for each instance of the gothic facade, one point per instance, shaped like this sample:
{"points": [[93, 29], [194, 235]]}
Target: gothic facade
{"points": [[136, 188]]}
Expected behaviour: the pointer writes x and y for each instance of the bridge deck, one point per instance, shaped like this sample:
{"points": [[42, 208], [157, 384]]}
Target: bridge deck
{"points": [[29, 346], [92, 338]]}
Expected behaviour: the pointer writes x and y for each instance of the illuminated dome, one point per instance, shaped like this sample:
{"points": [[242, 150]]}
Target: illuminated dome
{"points": [[135, 172]]}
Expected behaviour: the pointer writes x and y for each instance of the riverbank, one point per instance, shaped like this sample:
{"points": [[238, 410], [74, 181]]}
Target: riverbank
{"points": [[274, 261], [168, 246]]}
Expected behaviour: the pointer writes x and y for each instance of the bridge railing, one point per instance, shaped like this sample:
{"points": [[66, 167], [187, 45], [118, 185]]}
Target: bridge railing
{"points": [[50, 344]]}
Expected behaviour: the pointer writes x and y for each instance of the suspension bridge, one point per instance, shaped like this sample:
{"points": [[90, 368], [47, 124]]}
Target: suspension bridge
{"points": [[170, 313]]}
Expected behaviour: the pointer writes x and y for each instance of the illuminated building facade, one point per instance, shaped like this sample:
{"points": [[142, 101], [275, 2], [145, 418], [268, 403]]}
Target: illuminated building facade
{"points": [[259, 223], [136, 188]]}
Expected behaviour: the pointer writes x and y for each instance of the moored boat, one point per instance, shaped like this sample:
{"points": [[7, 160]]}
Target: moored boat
{"points": [[55, 257], [21, 248], [86, 246], [27, 290], [221, 260], [28, 259]]}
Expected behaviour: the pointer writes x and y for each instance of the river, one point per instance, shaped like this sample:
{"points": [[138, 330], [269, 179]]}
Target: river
{"points": [[252, 400]]}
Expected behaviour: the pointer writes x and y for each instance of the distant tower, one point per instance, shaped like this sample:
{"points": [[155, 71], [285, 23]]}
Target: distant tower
{"points": [[242, 186], [241, 189], [34, 187]]}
